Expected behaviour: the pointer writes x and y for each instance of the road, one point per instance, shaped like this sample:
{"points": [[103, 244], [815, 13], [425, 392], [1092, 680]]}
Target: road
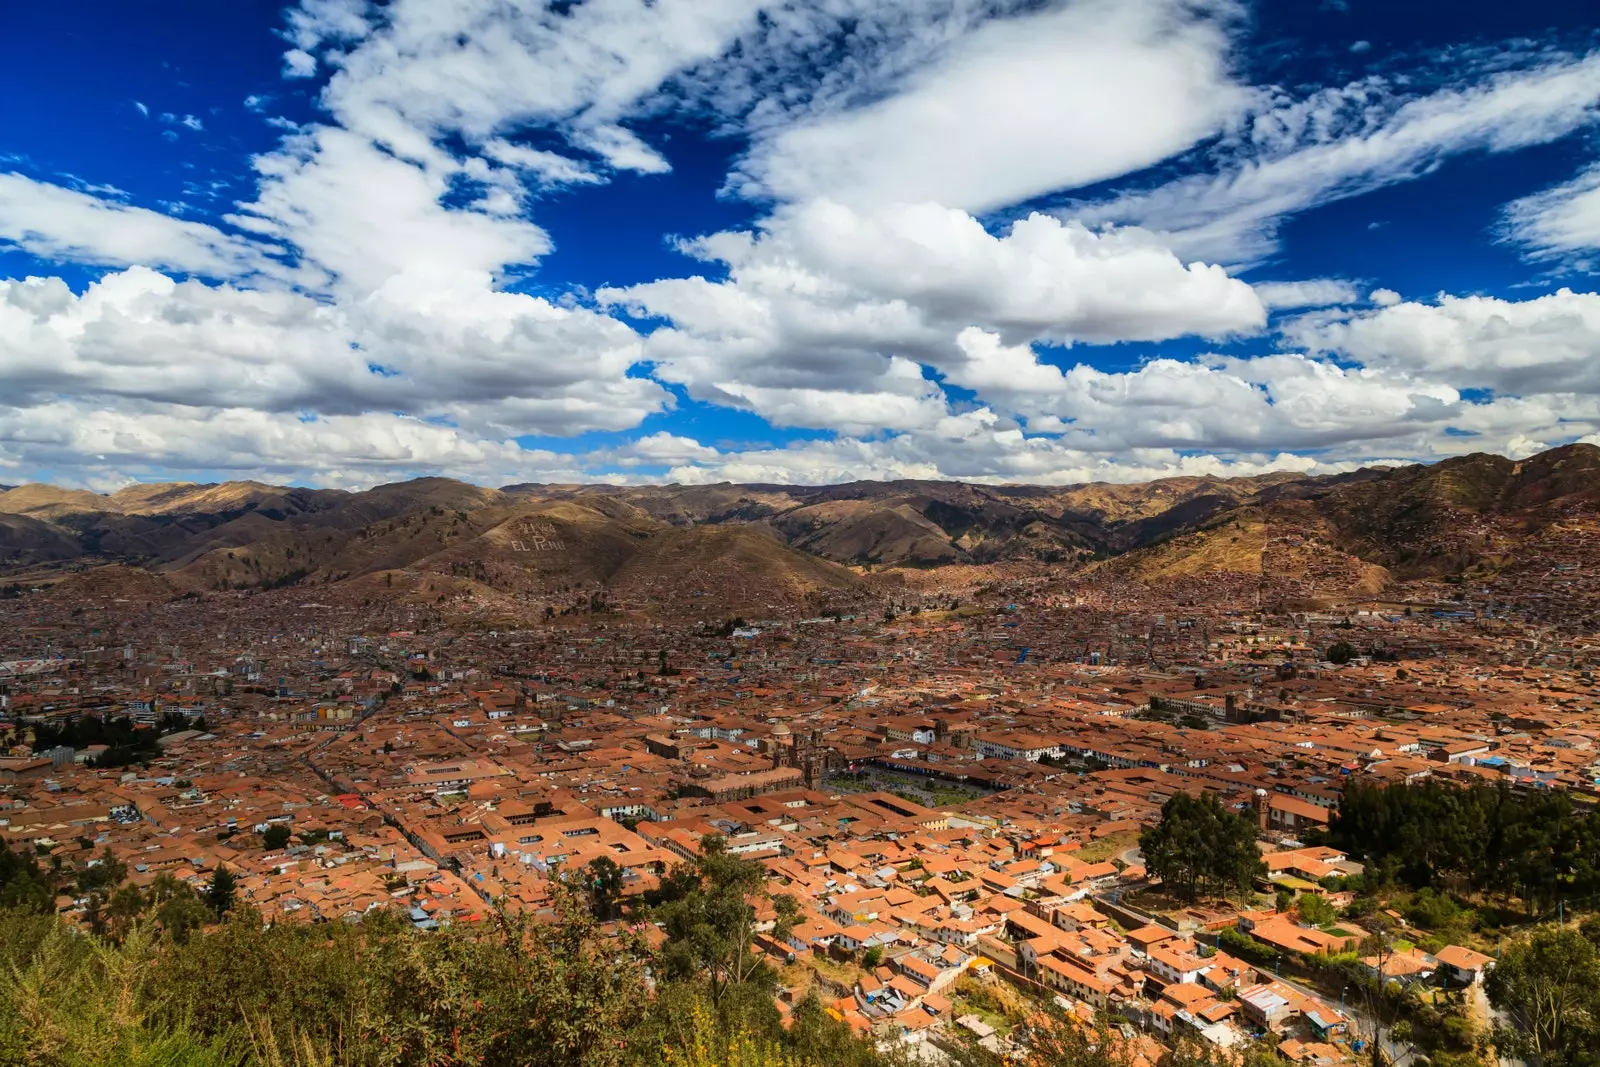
{"points": [[1398, 1054]]}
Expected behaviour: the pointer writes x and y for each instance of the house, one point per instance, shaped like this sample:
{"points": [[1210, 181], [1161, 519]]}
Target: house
{"points": [[1287, 936], [1270, 1004], [1411, 967], [1075, 981], [1463, 966], [1175, 963]]}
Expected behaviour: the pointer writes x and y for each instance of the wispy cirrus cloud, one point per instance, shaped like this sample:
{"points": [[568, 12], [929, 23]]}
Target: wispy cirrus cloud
{"points": [[1559, 224], [1297, 154]]}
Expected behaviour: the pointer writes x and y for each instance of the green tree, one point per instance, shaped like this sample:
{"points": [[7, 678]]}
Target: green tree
{"points": [[710, 923], [788, 916], [275, 837], [604, 879], [1549, 987], [220, 895], [1198, 846], [125, 908], [1315, 909], [23, 885], [1340, 652], [102, 873], [1535, 846], [176, 907], [506, 993], [818, 1038]]}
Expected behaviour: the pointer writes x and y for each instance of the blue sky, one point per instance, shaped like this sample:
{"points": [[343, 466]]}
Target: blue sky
{"points": [[701, 240]]}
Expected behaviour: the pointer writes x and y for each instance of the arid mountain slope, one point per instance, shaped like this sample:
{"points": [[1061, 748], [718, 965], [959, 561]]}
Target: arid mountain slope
{"points": [[1470, 517]]}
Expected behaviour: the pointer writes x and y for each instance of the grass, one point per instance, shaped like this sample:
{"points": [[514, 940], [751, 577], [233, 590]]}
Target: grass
{"points": [[1107, 847], [960, 1006], [1000, 1005], [836, 970]]}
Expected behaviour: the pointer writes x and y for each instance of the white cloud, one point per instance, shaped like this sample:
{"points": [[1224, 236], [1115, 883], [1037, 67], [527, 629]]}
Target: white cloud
{"points": [[902, 400], [1266, 403], [493, 363], [974, 448], [549, 168], [102, 446], [827, 312], [1339, 143], [1563, 222], [367, 216], [1546, 345], [299, 64], [655, 449], [621, 149], [1311, 293], [421, 69], [363, 328], [1017, 108], [56, 223]]}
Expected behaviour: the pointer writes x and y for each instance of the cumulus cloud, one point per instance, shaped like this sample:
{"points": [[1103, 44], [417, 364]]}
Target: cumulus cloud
{"points": [[1137, 426], [494, 362], [366, 216], [827, 311], [1311, 293], [1550, 344], [356, 318], [98, 446], [299, 64], [973, 449]]}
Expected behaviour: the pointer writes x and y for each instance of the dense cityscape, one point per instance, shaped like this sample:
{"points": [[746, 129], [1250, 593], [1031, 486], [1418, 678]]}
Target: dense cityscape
{"points": [[800, 533], [967, 796]]}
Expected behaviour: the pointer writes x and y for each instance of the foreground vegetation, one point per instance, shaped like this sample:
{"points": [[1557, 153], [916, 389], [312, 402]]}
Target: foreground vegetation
{"points": [[166, 975], [510, 991]]}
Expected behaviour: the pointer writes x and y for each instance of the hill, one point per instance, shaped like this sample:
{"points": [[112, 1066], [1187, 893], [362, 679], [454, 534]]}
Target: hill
{"points": [[1476, 518]]}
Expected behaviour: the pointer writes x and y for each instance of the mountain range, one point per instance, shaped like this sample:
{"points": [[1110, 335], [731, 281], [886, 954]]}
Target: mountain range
{"points": [[1465, 518]]}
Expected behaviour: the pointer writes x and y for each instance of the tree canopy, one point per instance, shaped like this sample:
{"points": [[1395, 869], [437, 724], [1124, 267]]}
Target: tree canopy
{"points": [[220, 895], [1200, 847], [23, 885], [709, 921], [1534, 845], [1548, 985]]}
